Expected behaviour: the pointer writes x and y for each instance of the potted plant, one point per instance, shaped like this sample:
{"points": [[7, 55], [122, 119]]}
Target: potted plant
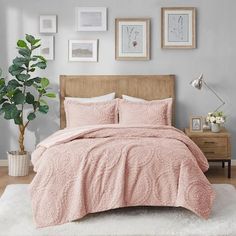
{"points": [[22, 97], [216, 119]]}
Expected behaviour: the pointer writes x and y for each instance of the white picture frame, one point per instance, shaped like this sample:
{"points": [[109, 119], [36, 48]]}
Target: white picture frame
{"points": [[48, 24], [47, 47], [132, 39], [178, 27], [91, 19], [196, 124], [83, 50]]}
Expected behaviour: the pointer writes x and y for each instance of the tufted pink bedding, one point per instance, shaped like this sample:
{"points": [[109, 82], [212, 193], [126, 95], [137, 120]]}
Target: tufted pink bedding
{"points": [[97, 168]]}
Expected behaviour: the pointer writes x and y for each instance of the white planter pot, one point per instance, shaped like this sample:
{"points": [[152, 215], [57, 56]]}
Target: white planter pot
{"points": [[215, 128], [18, 165]]}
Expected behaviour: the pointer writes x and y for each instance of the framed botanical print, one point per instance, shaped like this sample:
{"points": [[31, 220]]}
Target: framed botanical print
{"points": [[48, 24], [47, 47], [91, 19], [83, 50], [132, 39], [178, 27], [196, 124]]}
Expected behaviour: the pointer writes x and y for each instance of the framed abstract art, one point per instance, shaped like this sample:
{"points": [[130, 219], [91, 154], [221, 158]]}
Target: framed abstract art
{"points": [[83, 50], [178, 27], [91, 19], [48, 24], [132, 39]]}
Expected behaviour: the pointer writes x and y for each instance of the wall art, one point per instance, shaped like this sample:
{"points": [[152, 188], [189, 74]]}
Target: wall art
{"points": [[83, 50], [91, 18], [132, 39], [178, 27], [48, 24]]}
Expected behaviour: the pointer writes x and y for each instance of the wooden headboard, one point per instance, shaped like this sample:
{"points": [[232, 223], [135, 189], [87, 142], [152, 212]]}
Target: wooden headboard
{"points": [[149, 87]]}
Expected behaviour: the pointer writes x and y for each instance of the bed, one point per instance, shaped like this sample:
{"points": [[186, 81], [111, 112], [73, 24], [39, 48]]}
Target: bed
{"points": [[90, 169]]}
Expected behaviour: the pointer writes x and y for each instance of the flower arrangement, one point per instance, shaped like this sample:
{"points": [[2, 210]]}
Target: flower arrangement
{"points": [[217, 117]]}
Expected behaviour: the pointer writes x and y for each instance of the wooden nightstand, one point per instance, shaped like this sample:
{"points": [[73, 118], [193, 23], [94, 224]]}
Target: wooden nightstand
{"points": [[215, 146]]}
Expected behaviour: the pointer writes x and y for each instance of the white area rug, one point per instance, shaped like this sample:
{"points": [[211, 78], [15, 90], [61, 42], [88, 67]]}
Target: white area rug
{"points": [[16, 219]]}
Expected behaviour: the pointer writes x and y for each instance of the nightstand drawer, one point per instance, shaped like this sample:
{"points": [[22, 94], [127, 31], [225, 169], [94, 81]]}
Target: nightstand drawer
{"points": [[215, 153], [210, 142]]}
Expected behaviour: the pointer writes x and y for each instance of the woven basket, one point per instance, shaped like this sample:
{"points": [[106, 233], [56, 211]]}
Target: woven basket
{"points": [[18, 165]]}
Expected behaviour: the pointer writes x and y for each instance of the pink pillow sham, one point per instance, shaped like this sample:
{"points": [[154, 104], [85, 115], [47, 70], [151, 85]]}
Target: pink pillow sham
{"points": [[97, 113], [157, 112]]}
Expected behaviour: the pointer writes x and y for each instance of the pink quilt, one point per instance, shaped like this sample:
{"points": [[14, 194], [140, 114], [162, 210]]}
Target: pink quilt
{"points": [[97, 168]]}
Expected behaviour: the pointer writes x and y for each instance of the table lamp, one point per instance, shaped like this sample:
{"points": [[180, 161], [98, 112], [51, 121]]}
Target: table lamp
{"points": [[198, 83]]}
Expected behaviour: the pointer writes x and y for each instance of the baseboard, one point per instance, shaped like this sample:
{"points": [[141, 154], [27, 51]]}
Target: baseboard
{"points": [[3, 162]]}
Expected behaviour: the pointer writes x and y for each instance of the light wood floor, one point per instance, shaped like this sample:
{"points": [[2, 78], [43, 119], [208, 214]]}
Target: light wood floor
{"points": [[215, 175]]}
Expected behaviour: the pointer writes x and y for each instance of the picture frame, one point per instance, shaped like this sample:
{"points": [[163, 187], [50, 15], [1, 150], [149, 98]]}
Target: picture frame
{"points": [[132, 39], [178, 27], [48, 24], [196, 124], [91, 19], [83, 50], [47, 47]]}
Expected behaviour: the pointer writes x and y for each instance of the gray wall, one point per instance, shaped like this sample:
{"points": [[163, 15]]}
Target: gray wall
{"points": [[215, 55]]}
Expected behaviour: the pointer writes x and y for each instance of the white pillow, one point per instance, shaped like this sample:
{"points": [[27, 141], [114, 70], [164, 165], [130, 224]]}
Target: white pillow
{"points": [[103, 98], [132, 99]]}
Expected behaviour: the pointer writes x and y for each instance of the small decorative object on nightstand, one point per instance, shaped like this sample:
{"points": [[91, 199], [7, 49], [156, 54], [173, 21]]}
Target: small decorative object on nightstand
{"points": [[196, 124], [215, 119], [215, 146]]}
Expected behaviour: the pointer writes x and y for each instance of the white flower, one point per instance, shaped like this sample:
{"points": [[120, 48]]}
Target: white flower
{"points": [[212, 119], [218, 119], [209, 113], [222, 120], [207, 119]]}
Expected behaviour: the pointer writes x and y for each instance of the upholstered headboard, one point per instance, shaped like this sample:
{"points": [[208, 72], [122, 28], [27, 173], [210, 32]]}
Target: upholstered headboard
{"points": [[149, 87]]}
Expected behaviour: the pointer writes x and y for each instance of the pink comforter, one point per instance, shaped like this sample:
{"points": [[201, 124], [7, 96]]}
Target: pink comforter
{"points": [[97, 168]]}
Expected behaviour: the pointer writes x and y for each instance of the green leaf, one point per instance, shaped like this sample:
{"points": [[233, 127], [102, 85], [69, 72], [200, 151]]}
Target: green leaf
{"points": [[35, 47], [29, 82], [23, 77], [42, 102], [30, 39], [3, 100], [37, 41], [10, 111], [31, 116], [50, 95], [29, 98], [44, 82], [2, 82], [22, 44], [36, 105], [37, 79], [20, 61], [15, 70], [41, 65], [44, 109], [32, 69], [25, 52], [12, 84], [10, 93], [18, 119], [19, 98], [40, 57]]}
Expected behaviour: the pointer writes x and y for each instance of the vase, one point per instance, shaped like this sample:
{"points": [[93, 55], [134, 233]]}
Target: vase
{"points": [[215, 128], [18, 164]]}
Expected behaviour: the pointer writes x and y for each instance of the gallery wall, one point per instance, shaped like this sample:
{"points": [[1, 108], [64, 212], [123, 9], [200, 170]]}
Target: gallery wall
{"points": [[215, 55]]}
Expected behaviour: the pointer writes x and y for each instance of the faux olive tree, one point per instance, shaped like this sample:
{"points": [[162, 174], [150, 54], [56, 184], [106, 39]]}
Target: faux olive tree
{"points": [[25, 91]]}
